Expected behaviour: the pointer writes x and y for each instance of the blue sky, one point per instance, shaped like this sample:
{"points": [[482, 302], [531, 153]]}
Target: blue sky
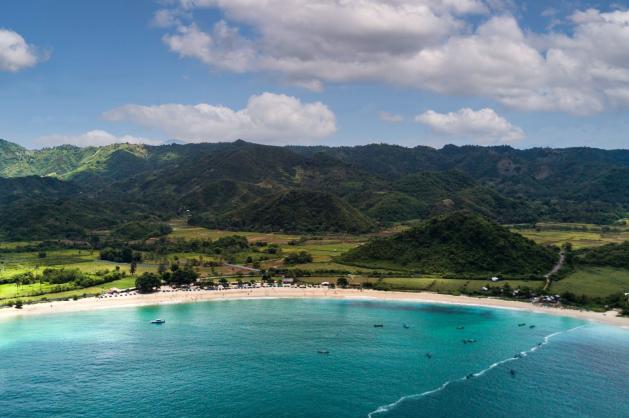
{"points": [[411, 72]]}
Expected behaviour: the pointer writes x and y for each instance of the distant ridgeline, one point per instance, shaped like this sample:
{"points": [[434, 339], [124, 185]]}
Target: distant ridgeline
{"points": [[457, 243], [67, 192]]}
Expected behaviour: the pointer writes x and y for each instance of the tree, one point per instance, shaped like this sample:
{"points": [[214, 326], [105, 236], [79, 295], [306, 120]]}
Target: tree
{"points": [[133, 267], [342, 282], [301, 257], [147, 283], [180, 277]]}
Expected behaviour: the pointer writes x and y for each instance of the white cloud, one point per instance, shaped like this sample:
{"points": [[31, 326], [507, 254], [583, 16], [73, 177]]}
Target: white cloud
{"points": [[95, 138], [223, 48], [15, 53], [425, 44], [269, 118], [484, 126], [390, 117]]}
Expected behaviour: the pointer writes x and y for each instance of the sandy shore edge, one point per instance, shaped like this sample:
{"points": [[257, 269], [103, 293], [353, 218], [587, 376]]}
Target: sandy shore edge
{"points": [[161, 298]]}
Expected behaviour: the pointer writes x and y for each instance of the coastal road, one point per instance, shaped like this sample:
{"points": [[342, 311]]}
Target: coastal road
{"points": [[555, 269]]}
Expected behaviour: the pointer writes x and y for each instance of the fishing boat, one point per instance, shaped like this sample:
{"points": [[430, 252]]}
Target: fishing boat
{"points": [[429, 355], [532, 326], [378, 325], [406, 326], [460, 327], [522, 324], [323, 352], [158, 321]]}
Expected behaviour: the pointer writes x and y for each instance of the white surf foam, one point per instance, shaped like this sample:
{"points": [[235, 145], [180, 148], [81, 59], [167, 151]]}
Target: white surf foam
{"points": [[393, 405]]}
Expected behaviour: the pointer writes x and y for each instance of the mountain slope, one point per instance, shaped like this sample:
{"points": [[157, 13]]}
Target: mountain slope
{"points": [[383, 182], [299, 211], [456, 243]]}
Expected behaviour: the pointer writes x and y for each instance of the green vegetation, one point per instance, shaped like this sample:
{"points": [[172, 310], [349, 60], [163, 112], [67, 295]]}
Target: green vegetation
{"points": [[75, 216], [301, 257], [129, 190], [148, 282], [577, 235], [613, 255], [299, 211], [460, 243], [120, 255], [141, 230], [594, 282]]}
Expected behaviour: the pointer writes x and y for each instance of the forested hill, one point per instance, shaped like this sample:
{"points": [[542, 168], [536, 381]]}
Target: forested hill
{"points": [[457, 243], [383, 183]]}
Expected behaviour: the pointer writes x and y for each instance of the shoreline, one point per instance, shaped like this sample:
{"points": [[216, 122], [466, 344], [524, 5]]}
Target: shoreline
{"points": [[176, 297]]}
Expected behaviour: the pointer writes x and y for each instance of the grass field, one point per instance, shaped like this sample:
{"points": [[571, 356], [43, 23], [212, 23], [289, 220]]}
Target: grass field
{"points": [[432, 283], [594, 281], [88, 291], [182, 230], [579, 235], [324, 249]]}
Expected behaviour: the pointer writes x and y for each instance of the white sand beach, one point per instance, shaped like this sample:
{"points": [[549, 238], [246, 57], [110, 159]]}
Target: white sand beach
{"points": [[181, 296]]}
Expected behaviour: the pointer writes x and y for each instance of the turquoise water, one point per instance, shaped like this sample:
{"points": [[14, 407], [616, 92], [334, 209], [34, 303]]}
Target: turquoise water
{"points": [[259, 358]]}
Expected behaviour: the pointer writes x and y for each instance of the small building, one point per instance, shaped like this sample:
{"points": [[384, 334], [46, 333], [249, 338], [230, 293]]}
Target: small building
{"points": [[288, 281], [495, 279]]}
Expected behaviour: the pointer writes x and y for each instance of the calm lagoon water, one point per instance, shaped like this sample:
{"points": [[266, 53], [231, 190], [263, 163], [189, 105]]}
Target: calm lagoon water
{"points": [[260, 358]]}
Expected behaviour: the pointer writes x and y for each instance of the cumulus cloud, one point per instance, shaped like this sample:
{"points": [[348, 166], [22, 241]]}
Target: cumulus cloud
{"points": [[390, 117], [15, 53], [484, 126], [426, 44], [95, 138], [224, 48], [269, 118]]}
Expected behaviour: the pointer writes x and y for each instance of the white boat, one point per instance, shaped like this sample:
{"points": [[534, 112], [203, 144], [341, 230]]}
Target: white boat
{"points": [[158, 321]]}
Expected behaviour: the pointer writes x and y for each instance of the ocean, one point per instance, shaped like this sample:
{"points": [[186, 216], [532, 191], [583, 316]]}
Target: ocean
{"points": [[312, 358]]}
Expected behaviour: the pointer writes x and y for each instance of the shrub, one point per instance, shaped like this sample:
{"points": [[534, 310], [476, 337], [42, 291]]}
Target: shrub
{"points": [[301, 257]]}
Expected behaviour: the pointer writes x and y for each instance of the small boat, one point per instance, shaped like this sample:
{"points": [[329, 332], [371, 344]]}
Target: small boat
{"points": [[469, 341], [522, 324], [532, 326], [429, 355], [469, 376], [460, 327], [378, 325], [158, 321], [512, 372], [323, 352], [406, 326]]}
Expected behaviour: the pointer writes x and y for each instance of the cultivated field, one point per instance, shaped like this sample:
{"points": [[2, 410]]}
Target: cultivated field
{"points": [[324, 267]]}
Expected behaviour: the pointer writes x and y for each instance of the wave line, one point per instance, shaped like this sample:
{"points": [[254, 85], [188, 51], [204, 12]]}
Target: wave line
{"points": [[393, 405]]}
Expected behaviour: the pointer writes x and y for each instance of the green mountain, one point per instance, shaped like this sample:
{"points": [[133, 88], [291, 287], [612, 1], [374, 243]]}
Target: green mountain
{"points": [[457, 243], [44, 207], [295, 211], [384, 183]]}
